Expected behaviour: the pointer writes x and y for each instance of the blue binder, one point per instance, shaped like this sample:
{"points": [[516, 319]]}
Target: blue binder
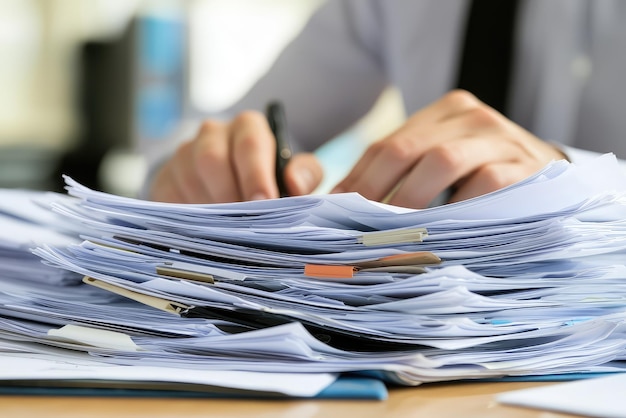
{"points": [[345, 387]]}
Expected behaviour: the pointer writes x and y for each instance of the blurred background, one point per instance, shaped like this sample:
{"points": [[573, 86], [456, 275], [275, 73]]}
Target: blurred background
{"points": [[97, 89]]}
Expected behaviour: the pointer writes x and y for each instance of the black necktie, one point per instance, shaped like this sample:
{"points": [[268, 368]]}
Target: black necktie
{"points": [[486, 62]]}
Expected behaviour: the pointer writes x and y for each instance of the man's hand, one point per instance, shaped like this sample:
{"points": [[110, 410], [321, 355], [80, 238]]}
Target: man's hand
{"points": [[229, 162], [458, 142]]}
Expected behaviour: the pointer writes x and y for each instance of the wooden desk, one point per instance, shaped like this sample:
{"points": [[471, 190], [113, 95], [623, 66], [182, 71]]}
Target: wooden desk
{"points": [[464, 400]]}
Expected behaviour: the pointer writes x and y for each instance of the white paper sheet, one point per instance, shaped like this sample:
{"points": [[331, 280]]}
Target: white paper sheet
{"points": [[601, 397], [42, 369]]}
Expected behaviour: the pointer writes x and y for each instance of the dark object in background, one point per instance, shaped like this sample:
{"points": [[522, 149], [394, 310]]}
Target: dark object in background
{"points": [[104, 108], [131, 89]]}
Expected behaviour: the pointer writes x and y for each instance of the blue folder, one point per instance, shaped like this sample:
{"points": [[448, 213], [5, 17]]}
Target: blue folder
{"points": [[345, 387]]}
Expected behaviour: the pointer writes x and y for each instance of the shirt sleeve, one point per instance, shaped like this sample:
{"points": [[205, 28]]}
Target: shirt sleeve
{"points": [[329, 76]]}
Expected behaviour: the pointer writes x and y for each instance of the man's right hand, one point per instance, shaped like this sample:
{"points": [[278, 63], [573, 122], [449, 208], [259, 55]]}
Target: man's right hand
{"points": [[230, 162]]}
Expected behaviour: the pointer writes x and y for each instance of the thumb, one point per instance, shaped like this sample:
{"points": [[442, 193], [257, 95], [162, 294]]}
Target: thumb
{"points": [[303, 174]]}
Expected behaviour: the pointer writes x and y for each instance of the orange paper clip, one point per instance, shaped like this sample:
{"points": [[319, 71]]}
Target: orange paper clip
{"points": [[329, 271]]}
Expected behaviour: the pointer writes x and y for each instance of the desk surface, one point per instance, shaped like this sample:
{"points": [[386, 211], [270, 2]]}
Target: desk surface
{"points": [[440, 400]]}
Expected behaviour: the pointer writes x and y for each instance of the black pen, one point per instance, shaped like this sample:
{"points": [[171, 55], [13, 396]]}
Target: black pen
{"points": [[276, 117]]}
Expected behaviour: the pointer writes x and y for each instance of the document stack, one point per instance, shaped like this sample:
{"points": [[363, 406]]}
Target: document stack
{"points": [[526, 281]]}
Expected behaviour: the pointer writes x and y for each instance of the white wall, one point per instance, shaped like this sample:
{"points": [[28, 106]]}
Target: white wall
{"points": [[38, 40]]}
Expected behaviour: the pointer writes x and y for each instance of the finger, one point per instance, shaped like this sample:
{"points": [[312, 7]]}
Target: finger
{"points": [[383, 166], [446, 164], [449, 105], [303, 174], [387, 161], [212, 164], [184, 177], [175, 182], [164, 188], [491, 177], [254, 156]]}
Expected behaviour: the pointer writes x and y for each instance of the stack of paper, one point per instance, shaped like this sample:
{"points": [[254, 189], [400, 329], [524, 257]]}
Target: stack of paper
{"points": [[49, 321], [25, 222], [528, 280]]}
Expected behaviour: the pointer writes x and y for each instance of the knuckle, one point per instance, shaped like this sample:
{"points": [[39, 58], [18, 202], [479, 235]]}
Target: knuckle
{"points": [[395, 149], [446, 155], [250, 141], [484, 116], [461, 98], [247, 117], [493, 177], [209, 126]]}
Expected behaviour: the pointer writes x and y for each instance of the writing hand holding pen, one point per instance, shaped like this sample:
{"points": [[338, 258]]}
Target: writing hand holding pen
{"points": [[234, 161]]}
